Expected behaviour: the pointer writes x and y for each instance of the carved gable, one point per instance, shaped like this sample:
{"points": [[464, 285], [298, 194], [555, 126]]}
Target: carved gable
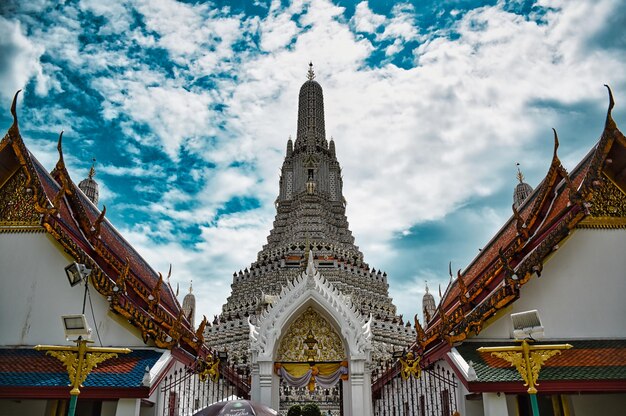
{"points": [[17, 207], [328, 347], [607, 208]]}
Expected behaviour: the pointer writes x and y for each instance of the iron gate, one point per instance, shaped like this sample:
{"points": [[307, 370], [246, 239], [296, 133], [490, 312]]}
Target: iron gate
{"points": [[184, 394], [434, 393]]}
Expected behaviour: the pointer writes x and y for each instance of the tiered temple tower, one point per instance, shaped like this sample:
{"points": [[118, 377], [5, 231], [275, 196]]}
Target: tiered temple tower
{"points": [[311, 213]]}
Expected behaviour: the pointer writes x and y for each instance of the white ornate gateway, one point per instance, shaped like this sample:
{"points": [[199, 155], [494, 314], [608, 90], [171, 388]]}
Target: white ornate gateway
{"points": [[311, 291]]}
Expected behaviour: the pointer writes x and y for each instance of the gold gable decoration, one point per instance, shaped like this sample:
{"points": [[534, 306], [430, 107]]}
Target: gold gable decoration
{"points": [[607, 208], [294, 349], [17, 207]]}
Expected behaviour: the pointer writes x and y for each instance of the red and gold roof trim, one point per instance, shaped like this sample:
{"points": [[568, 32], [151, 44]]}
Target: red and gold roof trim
{"points": [[593, 196], [52, 202]]}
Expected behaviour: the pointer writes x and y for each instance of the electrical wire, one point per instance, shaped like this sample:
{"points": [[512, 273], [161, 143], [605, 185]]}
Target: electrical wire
{"points": [[93, 315]]}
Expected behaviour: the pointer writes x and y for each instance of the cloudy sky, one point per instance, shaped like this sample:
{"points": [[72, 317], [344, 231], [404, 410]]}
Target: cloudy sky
{"points": [[187, 107]]}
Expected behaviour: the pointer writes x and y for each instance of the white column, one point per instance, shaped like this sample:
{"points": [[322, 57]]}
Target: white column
{"points": [[361, 389], [268, 385], [128, 407], [494, 404], [255, 389]]}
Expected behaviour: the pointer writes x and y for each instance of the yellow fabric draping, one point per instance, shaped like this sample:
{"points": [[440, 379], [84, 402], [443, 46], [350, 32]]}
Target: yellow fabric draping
{"points": [[302, 370]]}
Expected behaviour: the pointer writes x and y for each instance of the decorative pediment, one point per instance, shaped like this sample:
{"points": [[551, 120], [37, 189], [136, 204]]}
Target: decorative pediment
{"points": [[325, 343], [17, 207], [310, 288], [607, 207]]}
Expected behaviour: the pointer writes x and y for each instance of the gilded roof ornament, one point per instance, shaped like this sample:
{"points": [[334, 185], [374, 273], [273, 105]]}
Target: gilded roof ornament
{"points": [[609, 117], [556, 142], [310, 75], [14, 130], [97, 225]]}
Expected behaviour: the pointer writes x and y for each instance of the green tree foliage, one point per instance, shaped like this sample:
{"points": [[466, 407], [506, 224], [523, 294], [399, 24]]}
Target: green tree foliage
{"points": [[311, 409], [294, 410]]}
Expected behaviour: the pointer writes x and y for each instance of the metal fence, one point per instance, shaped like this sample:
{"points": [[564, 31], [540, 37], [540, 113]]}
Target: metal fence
{"points": [[434, 393], [184, 394]]}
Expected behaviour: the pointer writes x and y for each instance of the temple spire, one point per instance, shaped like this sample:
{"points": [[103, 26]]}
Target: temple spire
{"points": [[520, 175], [310, 75], [522, 190], [89, 186]]}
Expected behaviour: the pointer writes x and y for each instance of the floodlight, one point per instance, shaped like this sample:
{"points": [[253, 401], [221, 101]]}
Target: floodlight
{"points": [[76, 325], [76, 272], [527, 325]]}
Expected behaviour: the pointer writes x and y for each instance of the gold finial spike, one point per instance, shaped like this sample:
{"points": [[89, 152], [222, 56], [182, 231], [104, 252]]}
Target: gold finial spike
{"points": [[92, 171], [520, 175], [556, 141], [14, 112], [611, 101], [310, 75], [609, 117], [61, 163]]}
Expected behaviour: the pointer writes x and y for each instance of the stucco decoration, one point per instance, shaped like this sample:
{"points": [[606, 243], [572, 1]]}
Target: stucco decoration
{"points": [[309, 287], [292, 347]]}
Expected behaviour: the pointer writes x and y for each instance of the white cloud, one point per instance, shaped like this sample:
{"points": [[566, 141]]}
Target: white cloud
{"points": [[414, 144], [19, 60], [365, 20]]}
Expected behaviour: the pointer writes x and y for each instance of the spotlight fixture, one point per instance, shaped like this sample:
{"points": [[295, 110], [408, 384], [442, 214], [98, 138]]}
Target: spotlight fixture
{"points": [[76, 272], [76, 325], [527, 325]]}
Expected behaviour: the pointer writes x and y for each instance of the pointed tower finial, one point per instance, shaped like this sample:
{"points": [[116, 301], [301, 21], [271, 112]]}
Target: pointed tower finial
{"points": [[191, 286], [89, 186], [520, 175], [92, 171], [310, 267], [522, 190], [310, 75]]}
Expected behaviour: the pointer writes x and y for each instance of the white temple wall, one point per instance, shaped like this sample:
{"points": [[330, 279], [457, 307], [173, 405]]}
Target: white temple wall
{"points": [[35, 293], [581, 291], [595, 404]]}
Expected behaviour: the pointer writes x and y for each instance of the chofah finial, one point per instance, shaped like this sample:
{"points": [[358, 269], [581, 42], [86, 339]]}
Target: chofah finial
{"points": [[14, 127]]}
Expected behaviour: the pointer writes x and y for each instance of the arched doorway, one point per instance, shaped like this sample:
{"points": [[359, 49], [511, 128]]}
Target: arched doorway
{"points": [[311, 292], [311, 362]]}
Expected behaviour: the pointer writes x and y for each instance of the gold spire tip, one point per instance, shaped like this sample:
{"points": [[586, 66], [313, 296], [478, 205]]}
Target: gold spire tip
{"points": [[92, 171], [520, 175]]}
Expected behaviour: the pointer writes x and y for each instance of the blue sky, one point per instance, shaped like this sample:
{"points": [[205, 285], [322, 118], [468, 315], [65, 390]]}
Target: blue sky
{"points": [[187, 107]]}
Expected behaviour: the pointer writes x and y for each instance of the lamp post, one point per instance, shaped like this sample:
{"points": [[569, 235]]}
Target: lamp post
{"points": [[527, 359], [79, 361]]}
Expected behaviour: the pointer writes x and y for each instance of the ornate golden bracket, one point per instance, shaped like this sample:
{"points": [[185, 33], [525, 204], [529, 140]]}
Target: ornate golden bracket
{"points": [[410, 366], [80, 360], [208, 368], [527, 359]]}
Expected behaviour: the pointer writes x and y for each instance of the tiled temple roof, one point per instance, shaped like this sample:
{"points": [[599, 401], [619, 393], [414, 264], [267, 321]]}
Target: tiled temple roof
{"points": [[562, 202], [588, 360], [133, 288], [29, 368]]}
